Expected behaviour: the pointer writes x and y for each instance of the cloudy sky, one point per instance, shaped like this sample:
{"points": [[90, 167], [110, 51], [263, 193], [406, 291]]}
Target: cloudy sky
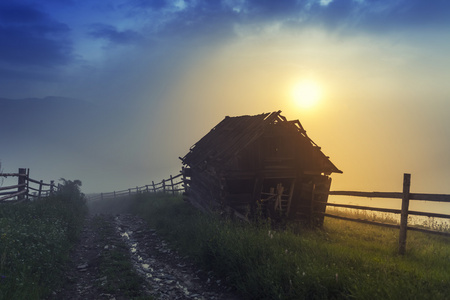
{"points": [[163, 73]]}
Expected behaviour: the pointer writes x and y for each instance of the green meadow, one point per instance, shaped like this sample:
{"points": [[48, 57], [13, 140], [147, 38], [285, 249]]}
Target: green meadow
{"points": [[344, 260], [35, 240]]}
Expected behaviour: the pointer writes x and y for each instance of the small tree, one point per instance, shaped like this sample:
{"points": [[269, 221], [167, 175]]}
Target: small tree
{"points": [[71, 189]]}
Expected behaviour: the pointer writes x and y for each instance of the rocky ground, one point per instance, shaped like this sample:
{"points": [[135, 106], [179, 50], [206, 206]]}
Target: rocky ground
{"points": [[162, 273]]}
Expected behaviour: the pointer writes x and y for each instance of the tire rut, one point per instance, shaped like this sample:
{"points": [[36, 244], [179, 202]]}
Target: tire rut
{"points": [[167, 275]]}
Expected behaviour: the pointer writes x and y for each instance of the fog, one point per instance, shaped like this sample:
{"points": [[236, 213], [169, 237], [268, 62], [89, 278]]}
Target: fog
{"points": [[135, 85]]}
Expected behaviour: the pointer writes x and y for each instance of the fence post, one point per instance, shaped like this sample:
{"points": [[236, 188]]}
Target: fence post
{"points": [[146, 188], [183, 179], [40, 190], [21, 180], [52, 187], [164, 186], [137, 190], [171, 183], [404, 214], [154, 189], [28, 182], [129, 192]]}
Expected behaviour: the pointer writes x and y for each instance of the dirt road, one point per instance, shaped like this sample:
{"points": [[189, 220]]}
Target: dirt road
{"points": [[161, 272]]}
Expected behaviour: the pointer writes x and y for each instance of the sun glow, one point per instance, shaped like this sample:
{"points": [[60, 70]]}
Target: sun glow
{"points": [[306, 94]]}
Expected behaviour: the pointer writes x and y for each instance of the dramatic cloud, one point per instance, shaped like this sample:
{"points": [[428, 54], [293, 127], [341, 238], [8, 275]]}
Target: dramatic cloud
{"points": [[113, 35], [31, 37]]}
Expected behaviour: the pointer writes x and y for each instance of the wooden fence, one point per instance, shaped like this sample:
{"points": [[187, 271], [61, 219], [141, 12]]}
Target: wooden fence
{"points": [[404, 212], [172, 185], [26, 188]]}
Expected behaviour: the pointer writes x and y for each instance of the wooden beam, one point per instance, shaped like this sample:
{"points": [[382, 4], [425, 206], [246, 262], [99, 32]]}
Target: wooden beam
{"points": [[388, 210], [430, 197], [22, 192], [12, 187], [404, 214], [427, 214], [291, 193], [395, 195]]}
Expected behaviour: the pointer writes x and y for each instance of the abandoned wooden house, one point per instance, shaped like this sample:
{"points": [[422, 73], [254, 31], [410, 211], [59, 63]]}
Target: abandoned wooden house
{"points": [[261, 164]]}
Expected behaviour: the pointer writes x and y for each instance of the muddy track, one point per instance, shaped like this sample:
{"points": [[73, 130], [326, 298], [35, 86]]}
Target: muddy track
{"points": [[166, 274]]}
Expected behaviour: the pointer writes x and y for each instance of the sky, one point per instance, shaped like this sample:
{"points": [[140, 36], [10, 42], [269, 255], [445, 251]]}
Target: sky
{"points": [[160, 74]]}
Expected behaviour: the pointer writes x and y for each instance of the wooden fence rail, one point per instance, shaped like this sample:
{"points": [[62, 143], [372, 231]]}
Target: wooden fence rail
{"points": [[172, 185], [404, 211], [26, 188]]}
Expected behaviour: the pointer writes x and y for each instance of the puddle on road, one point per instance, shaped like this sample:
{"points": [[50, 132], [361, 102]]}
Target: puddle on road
{"points": [[125, 234], [146, 267]]}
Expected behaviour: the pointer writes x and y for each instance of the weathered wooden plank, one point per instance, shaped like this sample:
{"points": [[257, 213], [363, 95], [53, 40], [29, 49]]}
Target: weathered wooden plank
{"points": [[39, 182], [396, 195], [430, 197], [12, 175], [291, 193], [427, 214], [179, 175], [12, 187], [8, 193], [388, 210], [23, 192], [37, 189]]}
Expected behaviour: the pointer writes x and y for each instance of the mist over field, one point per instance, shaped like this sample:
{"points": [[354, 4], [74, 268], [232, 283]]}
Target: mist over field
{"points": [[113, 93], [58, 137]]}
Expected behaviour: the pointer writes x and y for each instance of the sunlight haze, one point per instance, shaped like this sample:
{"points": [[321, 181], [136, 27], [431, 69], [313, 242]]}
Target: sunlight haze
{"points": [[306, 94], [367, 80]]}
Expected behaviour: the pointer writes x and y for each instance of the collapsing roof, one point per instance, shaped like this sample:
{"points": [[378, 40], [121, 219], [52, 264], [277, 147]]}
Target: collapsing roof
{"points": [[234, 134], [257, 161]]}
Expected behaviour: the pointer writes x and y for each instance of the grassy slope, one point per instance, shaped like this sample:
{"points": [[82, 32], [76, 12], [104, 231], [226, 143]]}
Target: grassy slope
{"points": [[35, 239], [344, 260]]}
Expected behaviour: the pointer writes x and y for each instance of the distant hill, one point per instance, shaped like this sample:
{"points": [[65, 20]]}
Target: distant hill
{"points": [[40, 117], [41, 108]]}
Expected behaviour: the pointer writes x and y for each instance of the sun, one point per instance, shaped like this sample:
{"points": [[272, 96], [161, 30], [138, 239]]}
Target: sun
{"points": [[306, 94]]}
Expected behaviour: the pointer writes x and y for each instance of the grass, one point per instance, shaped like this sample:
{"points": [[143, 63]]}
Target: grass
{"points": [[35, 239], [344, 260], [429, 223], [115, 266]]}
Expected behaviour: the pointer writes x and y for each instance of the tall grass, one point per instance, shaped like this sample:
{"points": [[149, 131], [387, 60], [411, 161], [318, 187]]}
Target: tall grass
{"points": [[35, 239], [344, 260]]}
